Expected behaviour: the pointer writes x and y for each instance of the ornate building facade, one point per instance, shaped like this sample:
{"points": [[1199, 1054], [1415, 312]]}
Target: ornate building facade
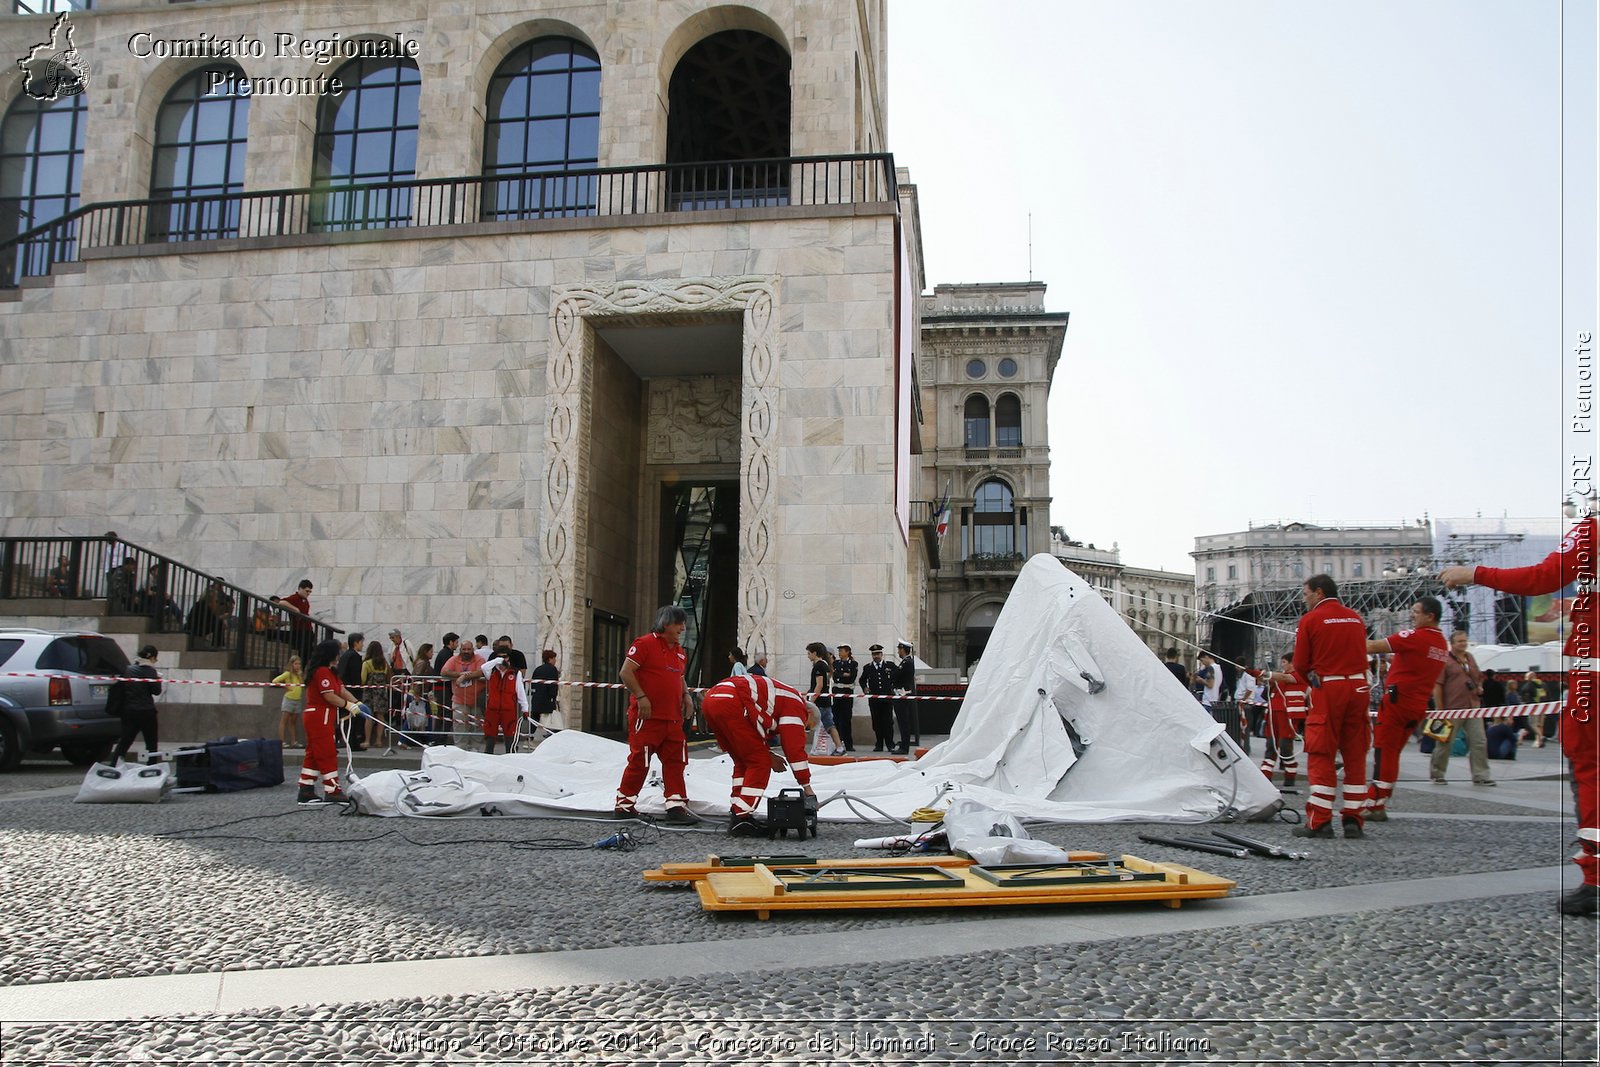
{"points": [[988, 355], [550, 314]]}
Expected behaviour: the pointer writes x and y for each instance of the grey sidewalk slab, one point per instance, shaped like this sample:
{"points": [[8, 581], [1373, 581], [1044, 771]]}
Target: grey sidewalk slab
{"points": [[256, 990]]}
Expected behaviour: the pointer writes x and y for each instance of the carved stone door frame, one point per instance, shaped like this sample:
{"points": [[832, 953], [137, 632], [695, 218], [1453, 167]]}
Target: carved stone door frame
{"points": [[569, 392]]}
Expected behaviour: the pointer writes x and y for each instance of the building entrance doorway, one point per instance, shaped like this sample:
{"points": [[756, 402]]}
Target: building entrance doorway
{"points": [[699, 571], [607, 710]]}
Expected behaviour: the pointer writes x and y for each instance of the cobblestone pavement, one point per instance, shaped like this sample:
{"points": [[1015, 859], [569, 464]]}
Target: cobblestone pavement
{"points": [[245, 881]]}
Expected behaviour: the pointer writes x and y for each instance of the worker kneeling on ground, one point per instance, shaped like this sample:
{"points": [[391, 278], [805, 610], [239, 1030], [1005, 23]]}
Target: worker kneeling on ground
{"points": [[743, 711]]}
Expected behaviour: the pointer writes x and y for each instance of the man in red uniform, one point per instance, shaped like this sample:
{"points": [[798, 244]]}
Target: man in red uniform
{"points": [[1330, 657], [743, 711], [1572, 561], [1286, 721], [653, 672], [1419, 656]]}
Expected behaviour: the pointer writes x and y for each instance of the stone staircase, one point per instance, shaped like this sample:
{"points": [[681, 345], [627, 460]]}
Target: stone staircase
{"points": [[188, 712]]}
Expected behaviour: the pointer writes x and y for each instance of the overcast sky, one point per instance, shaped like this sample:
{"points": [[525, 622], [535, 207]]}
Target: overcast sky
{"points": [[1311, 251]]}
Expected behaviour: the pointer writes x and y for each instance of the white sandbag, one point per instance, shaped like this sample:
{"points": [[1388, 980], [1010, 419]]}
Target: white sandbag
{"points": [[126, 783]]}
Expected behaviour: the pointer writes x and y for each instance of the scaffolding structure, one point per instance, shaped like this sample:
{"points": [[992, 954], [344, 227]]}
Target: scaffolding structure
{"points": [[1258, 627]]}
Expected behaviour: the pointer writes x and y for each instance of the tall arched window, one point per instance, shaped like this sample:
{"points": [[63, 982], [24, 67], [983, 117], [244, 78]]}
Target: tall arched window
{"points": [[543, 115], [367, 136], [41, 169], [993, 520], [975, 421], [199, 158], [728, 104], [1008, 421]]}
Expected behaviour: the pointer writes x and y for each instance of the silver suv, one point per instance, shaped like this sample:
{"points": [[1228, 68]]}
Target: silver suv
{"points": [[61, 711]]}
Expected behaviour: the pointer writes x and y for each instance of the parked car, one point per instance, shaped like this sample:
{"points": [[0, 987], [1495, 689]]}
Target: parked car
{"points": [[63, 710]]}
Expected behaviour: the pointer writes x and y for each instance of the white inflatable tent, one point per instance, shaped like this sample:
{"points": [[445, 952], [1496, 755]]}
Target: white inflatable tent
{"points": [[1069, 718]]}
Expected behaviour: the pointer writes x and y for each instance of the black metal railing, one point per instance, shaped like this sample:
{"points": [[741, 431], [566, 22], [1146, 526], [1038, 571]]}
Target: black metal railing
{"points": [[483, 198], [173, 598]]}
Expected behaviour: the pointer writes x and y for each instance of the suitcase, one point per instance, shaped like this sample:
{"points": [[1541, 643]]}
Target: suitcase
{"points": [[231, 765]]}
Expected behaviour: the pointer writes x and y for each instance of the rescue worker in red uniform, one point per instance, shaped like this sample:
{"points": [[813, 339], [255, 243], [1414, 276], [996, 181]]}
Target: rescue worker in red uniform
{"points": [[326, 696], [508, 701], [654, 674], [1286, 721], [1572, 561], [1419, 658], [743, 711], [1330, 658]]}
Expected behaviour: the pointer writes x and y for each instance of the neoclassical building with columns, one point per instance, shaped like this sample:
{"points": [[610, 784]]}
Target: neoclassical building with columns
{"points": [[557, 312]]}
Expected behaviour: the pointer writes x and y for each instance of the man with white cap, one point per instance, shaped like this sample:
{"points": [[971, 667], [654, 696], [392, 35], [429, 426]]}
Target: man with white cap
{"points": [[877, 681]]}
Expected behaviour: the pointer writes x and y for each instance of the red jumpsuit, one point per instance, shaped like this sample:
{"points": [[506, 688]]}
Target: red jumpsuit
{"points": [[507, 699], [1286, 719], [1573, 561], [322, 759], [745, 710], [659, 667], [1332, 641], [1419, 659]]}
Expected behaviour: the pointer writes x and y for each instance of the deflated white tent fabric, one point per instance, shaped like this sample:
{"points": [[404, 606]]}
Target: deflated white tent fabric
{"points": [[1069, 718]]}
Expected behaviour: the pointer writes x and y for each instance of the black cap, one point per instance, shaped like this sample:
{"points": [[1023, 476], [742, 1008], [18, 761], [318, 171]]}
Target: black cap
{"points": [[874, 648]]}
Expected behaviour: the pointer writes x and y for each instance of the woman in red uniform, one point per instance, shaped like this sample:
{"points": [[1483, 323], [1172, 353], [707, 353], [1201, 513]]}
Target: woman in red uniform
{"points": [[325, 697]]}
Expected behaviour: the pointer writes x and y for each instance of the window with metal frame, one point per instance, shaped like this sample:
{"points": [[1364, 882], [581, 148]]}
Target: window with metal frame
{"points": [[199, 158], [993, 520], [1008, 421], [543, 111], [975, 421], [367, 136], [41, 171]]}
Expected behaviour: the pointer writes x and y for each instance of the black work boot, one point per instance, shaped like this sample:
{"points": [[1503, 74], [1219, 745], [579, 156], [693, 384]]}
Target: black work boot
{"points": [[1584, 900], [746, 826]]}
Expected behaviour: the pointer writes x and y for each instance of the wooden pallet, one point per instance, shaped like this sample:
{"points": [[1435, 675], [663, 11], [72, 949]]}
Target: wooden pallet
{"points": [[920, 883]]}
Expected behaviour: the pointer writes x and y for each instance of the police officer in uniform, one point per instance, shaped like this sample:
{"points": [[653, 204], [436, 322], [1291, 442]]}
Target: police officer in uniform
{"points": [[877, 682]]}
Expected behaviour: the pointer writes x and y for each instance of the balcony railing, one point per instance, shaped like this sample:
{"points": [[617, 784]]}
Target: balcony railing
{"points": [[173, 598], [479, 199]]}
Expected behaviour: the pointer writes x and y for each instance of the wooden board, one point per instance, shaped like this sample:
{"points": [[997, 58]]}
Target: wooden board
{"points": [[693, 872], [761, 891]]}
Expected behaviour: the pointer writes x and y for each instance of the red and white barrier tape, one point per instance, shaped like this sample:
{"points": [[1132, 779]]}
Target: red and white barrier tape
{"points": [[411, 679], [1550, 707]]}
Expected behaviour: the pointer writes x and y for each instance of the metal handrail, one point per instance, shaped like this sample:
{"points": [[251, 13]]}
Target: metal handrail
{"points": [[434, 202], [258, 632]]}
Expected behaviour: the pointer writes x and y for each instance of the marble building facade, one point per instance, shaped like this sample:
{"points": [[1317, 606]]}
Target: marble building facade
{"points": [[474, 426]]}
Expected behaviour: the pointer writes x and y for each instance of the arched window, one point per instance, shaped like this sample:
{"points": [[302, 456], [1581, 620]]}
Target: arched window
{"points": [[41, 170], [728, 104], [543, 115], [367, 136], [975, 420], [993, 519], [199, 158], [1008, 421]]}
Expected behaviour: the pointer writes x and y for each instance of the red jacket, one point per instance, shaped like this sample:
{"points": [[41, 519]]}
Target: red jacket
{"points": [[772, 707], [1572, 561], [1331, 640]]}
